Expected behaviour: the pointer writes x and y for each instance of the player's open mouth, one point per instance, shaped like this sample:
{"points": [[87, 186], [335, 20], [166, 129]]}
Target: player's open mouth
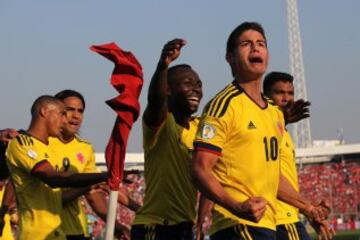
{"points": [[255, 60], [194, 100], [74, 124]]}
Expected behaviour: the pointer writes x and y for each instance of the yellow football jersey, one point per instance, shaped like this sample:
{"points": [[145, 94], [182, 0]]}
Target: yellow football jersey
{"points": [[39, 206], [7, 233], [286, 213], [246, 138], [76, 156], [170, 196]]}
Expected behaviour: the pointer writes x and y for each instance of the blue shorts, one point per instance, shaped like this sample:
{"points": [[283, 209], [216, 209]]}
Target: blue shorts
{"points": [[181, 231], [293, 231], [244, 232]]}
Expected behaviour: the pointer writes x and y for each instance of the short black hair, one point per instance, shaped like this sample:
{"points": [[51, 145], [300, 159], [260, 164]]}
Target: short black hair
{"points": [[274, 77], [232, 41], [173, 69], [42, 100], [62, 95]]}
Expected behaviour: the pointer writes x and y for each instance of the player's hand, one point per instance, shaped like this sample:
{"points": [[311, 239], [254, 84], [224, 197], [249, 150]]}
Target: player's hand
{"points": [[323, 230], [325, 208], [296, 111], [317, 213], [7, 134], [253, 209], [171, 51]]}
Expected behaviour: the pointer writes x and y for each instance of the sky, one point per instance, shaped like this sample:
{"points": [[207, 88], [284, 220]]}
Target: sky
{"points": [[44, 48]]}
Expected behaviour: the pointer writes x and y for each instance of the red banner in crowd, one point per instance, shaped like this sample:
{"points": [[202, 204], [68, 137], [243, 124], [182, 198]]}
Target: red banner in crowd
{"points": [[127, 79]]}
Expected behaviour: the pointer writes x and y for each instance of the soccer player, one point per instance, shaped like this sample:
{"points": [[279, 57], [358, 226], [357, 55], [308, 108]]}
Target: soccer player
{"points": [[236, 160], [169, 129], [278, 86], [36, 181], [236, 156], [78, 157]]}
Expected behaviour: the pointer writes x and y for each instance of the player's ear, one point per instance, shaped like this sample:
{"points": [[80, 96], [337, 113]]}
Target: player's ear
{"points": [[43, 111], [229, 58]]}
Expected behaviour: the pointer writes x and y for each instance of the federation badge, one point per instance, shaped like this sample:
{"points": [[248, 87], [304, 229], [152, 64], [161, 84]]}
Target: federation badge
{"points": [[80, 157], [31, 153], [207, 131]]}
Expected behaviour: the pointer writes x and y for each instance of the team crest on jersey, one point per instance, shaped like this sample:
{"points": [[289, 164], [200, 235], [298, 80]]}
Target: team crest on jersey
{"points": [[80, 157], [31, 153], [66, 163], [207, 131]]}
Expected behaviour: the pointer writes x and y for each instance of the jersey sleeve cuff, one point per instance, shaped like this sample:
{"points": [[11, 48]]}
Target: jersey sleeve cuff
{"points": [[201, 146], [38, 166]]}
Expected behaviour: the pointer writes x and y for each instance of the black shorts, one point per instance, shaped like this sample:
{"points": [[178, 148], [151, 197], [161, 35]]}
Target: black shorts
{"points": [[293, 231], [181, 231], [244, 232]]}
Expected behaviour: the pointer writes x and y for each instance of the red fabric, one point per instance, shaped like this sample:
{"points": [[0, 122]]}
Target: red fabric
{"points": [[127, 79]]}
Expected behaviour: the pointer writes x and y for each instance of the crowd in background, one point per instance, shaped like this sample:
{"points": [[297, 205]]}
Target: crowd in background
{"points": [[338, 182]]}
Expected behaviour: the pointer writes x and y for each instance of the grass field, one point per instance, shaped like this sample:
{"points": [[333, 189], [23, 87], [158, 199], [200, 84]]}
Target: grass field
{"points": [[345, 235]]}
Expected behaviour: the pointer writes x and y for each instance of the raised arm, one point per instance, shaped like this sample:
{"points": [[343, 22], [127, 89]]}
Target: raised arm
{"points": [[252, 209], [156, 108]]}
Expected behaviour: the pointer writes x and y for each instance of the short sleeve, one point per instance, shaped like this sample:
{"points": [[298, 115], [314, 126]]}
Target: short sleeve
{"points": [[213, 131], [24, 156]]}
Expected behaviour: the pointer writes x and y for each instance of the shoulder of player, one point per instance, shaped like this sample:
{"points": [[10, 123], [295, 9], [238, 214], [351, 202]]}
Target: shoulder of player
{"points": [[81, 140], [23, 139], [220, 103]]}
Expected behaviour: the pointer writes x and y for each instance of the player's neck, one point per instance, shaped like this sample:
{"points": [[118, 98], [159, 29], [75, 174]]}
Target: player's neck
{"points": [[182, 119], [253, 90], [39, 132], [66, 138]]}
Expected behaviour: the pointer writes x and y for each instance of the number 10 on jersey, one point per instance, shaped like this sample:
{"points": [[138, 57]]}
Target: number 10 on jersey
{"points": [[271, 148]]}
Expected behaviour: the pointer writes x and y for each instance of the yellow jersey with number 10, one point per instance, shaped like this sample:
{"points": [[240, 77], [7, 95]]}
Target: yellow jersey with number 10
{"points": [[246, 138]]}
